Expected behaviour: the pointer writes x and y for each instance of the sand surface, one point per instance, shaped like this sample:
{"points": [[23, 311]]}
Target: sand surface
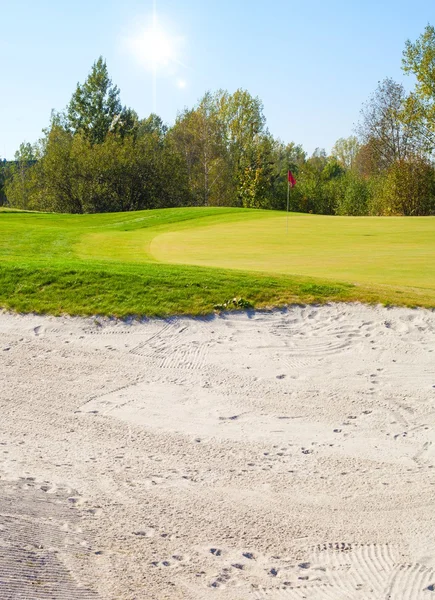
{"points": [[279, 455]]}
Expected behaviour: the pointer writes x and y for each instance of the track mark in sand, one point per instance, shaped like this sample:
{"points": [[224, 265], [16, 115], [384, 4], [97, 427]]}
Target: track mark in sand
{"points": [[173, 478], [311, 347], [322, 338], [170, 350], [162, 342], [165, 405], [320, 592], [36, 531], [175, 561], [293, 361], [423, 550], [301, 351], [422, 437], [347, 564], [425, 454], [397, 412], [345, 571], [232, 418], [155, 341], [411, 582], [122, 388], [185, 356]]}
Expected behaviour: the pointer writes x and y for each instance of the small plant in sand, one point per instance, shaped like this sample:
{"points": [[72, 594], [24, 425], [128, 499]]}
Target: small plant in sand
{"points": [[234, 303]]}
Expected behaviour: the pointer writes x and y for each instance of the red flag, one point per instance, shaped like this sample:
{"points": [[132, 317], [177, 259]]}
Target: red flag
{"points": [[291, 179]]}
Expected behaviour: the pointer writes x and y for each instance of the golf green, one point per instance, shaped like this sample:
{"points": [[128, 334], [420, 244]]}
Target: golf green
{"points": [[189, 260], [392, 251]]}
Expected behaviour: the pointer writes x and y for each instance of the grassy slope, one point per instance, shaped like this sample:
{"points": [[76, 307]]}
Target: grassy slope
{"points": [[109, 264]]}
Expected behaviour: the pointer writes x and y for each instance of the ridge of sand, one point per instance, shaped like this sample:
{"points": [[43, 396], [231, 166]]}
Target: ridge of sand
{"points": [[276, 455]]}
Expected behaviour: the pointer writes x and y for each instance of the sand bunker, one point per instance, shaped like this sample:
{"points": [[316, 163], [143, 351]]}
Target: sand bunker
{"points": [[278, 455]]}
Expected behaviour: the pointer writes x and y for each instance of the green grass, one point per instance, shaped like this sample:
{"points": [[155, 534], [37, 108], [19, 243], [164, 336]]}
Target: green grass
{"points": [[186, 261]]}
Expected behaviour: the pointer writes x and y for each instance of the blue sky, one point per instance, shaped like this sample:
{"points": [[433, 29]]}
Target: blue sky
{"points": [[313, 63]]}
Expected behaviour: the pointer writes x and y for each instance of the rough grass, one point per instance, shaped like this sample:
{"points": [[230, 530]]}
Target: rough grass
{"points": [[122, 264]]}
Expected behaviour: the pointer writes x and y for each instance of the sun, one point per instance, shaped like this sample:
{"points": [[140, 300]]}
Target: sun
{"points": [[154, 48], [157, 50]]}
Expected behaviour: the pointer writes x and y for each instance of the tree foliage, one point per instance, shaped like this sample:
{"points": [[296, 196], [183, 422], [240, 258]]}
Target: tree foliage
{"points": [[226, 148], [99, 156], [345, 151], [3, 169], [419, 60], [385, 132], [95, 108]]}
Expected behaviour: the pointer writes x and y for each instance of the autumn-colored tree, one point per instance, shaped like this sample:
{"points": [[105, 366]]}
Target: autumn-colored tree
{"points": [[419, 60], [345, 150], [383, 130], [409, 188]]}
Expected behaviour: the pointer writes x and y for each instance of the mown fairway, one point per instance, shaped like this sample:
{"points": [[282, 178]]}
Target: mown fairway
{"points": [[180, 261]]}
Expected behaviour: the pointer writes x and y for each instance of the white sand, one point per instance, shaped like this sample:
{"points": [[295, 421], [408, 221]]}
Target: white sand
{"points": [[276, 456]]}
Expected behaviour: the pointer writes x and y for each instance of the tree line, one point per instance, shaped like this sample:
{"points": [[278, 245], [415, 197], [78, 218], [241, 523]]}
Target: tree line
{"points": [[99, 156]]}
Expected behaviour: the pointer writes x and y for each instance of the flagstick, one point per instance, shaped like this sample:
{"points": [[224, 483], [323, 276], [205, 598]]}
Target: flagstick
{"points": [[288, 199]]}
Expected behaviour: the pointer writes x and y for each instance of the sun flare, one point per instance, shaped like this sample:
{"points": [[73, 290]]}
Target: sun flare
{"points": [[155, 48]]}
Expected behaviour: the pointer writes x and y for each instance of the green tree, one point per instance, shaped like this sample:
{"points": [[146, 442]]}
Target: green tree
{"points": [[366, 161], [311, 182], [3, 169], [243, 128], [19, 186], [57, 174], [320, 183], [226, 149], [121, 173], [198, 135], [345, 150], [383, 128], [408, 188], [152, 125], [419, 60], [353, 195], [95, 107], [285, 157], [256, 185]]}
